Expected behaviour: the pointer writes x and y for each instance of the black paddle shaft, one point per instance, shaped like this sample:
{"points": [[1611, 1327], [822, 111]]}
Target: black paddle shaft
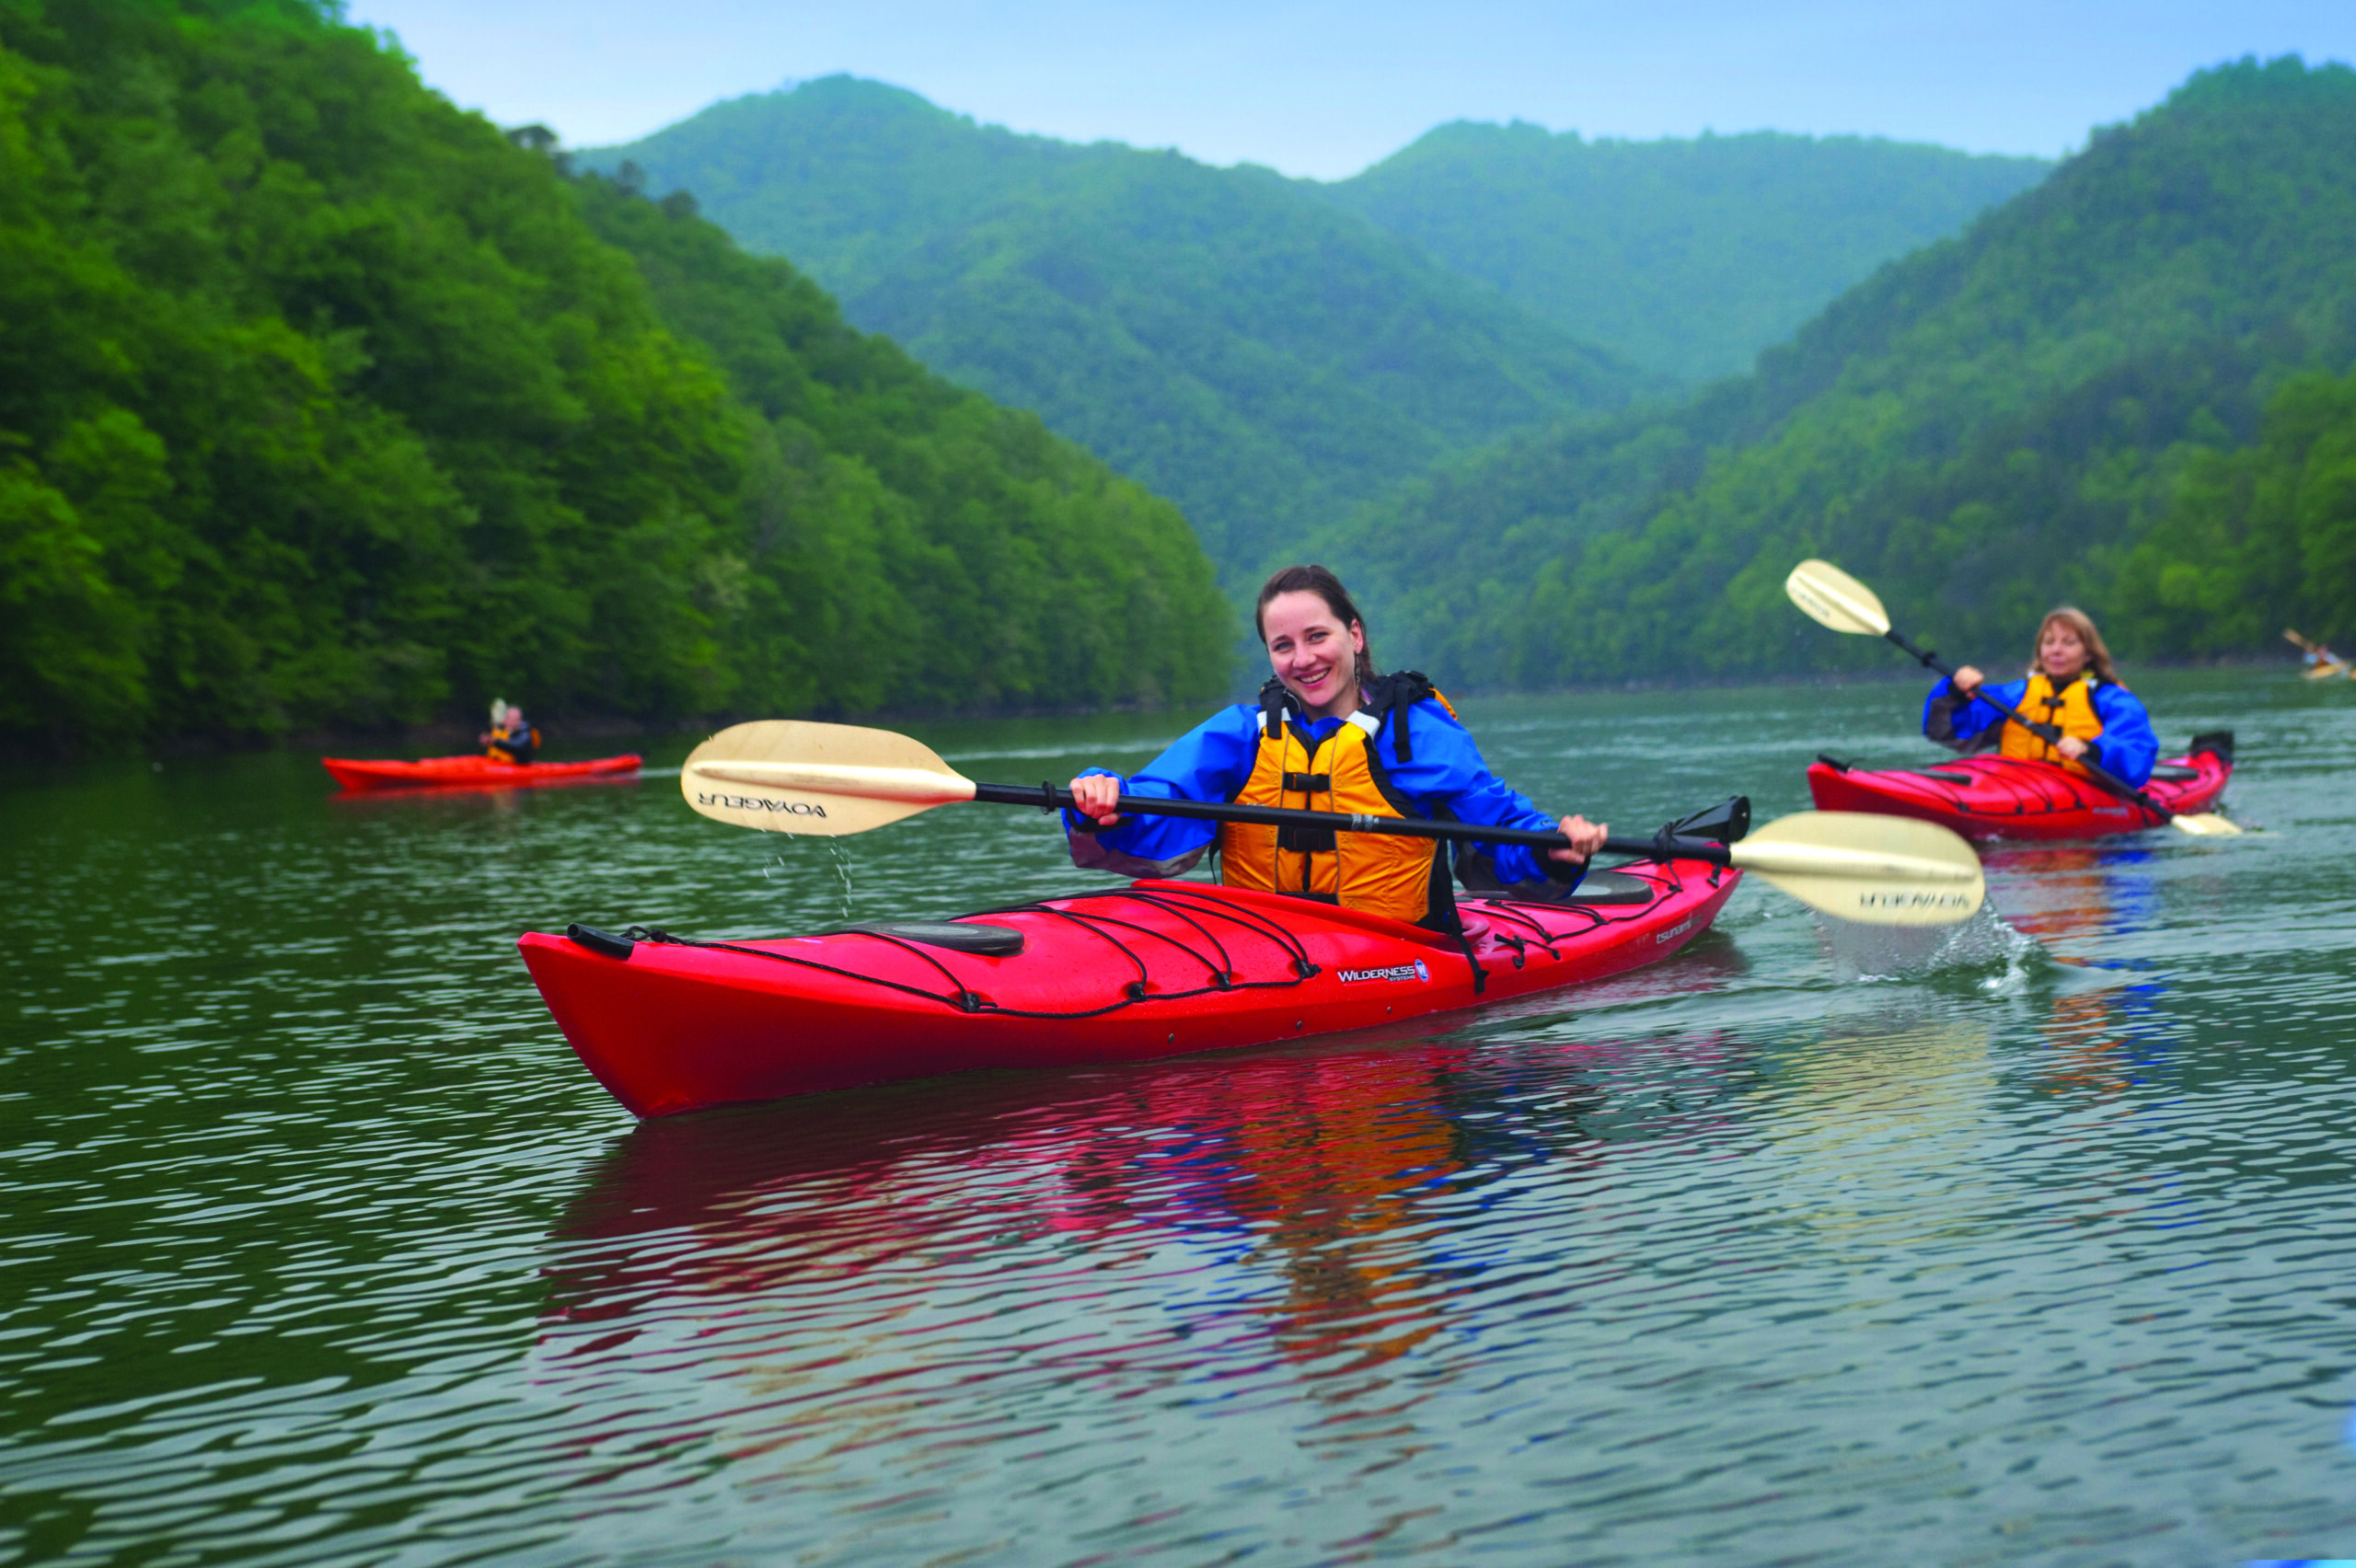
{"points": [[2050, 734], [1664, 847]]}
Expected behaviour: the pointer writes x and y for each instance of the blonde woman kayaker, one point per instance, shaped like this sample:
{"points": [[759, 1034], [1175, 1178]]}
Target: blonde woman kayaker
{"points": [[2072, 685], [1328, 734]]}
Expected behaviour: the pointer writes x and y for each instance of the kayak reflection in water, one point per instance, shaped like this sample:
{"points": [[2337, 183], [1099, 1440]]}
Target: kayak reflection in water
{"points": [[2071, 685], [1329, 733], [510, 737]]}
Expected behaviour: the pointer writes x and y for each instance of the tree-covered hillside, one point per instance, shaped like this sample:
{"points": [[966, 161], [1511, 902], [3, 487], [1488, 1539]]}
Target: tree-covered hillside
{"points": [[2258, 536], [2041, 411], [1259, 354], [320, 402], [1686, 257]]}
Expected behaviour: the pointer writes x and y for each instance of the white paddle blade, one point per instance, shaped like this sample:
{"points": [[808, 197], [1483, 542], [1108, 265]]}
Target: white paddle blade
{"points": [[2205, 824], [826, 781], [1831, 596], [1878, 871]]}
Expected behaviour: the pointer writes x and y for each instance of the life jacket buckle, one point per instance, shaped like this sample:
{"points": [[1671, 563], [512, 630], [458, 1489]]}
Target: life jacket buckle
{"points": [[1305, 840]]}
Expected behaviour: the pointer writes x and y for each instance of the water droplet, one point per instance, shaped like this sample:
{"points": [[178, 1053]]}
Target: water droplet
{"points": [[842, 870]]}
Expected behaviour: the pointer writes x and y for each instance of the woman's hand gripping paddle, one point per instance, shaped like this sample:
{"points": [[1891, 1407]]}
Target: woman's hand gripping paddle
{"points": [[1832, 597], [789, 775]]}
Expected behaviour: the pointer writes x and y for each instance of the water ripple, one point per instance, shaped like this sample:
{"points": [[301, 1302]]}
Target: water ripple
{"points": [[2029, 1249]]}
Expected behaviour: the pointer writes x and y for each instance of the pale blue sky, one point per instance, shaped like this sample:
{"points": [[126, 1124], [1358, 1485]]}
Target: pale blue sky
{"points": [[1324, 88]]}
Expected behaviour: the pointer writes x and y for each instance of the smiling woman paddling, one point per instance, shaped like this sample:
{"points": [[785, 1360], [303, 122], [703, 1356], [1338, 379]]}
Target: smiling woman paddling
{"points": [[1328, 734], [2071, 685]]}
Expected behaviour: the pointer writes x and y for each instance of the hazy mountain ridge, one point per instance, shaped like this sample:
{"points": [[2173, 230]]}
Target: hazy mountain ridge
{"points": [[854, 178], [1261, 355], [1685, 256], [1994, 424], [1263, 363]]}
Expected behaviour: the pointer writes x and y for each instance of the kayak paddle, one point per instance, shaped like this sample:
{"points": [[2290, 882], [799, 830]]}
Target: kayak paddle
{"points": [[791, 776], [1832, 598]]}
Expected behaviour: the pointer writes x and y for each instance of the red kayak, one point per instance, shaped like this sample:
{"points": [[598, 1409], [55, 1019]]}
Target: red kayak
{"points": [[2001, 797], [445, 772], [1153, 969]]}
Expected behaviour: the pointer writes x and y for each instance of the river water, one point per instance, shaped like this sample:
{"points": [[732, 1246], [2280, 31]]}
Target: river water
{"points": [[320, 1247]]}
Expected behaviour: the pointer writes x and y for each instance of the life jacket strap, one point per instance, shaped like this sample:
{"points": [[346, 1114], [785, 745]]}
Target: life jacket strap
{"points": [[1273, 697], [1387, 699]]}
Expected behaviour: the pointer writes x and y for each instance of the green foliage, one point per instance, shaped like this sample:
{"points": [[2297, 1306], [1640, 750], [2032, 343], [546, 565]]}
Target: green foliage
{"points": [[1226, 335], [1996, 424], [2257, 537], [1686, 257], [322, 402], [939, 550]]}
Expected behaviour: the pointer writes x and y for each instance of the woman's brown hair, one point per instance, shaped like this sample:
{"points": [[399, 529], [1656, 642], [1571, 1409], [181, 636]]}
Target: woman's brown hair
{"points": [[2077, 620], [1325, 585]]}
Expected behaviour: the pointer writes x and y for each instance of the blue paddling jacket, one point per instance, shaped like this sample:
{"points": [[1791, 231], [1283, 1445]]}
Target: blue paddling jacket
{"points": [[1443, 771], [2126, 747]]}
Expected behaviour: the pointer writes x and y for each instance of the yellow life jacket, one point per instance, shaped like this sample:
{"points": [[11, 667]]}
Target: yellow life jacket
{"points": [[513, 746], [2071, 710], [1406, 879]]}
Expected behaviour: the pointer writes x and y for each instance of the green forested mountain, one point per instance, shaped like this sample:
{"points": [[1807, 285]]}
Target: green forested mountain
{"points": [[1234, 340], [2047, 408], [1226, 336], [320, 402], [1685, 257]]}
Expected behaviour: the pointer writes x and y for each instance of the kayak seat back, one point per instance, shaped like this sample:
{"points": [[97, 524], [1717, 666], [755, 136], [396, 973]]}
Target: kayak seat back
{"points": [[1612, 887], [986, 941]]}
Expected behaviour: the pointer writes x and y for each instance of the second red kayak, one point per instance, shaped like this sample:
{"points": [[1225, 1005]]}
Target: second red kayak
{"points": [[2002, 796], [1154, 969], [432, 771]]}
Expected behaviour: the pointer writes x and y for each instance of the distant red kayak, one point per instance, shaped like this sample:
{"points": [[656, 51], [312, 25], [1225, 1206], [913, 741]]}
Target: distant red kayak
{"points": [[2002, 796], [442, 771]]}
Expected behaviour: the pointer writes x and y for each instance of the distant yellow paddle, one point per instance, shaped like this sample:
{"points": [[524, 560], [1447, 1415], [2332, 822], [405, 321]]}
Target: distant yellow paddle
{"points": [[789, 775], [1833, 598]]}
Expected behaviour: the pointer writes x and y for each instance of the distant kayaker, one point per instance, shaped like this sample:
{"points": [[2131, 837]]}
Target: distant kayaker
{"points": [[1328, 734], [510, 737], [2321, 661], [2071, 685]]}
